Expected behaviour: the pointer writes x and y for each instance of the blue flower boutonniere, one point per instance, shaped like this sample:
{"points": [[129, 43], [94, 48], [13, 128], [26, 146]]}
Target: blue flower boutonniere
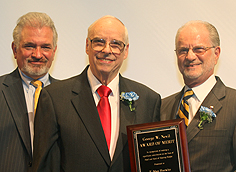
{"points": [[206, 115], [129, 98]]}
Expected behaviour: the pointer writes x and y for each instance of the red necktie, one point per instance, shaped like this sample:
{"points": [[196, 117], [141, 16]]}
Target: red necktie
{"points": [[104, 111]]}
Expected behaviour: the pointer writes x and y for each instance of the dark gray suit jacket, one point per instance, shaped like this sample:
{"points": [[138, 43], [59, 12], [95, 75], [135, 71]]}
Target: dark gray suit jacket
{"points": [[212, 149], [68, 132], [15, 144]]}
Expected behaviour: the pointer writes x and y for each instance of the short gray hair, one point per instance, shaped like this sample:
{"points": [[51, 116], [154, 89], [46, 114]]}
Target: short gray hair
{"points": [[213, 33], [37, 20]]}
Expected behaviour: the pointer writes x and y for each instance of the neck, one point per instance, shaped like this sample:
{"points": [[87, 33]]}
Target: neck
{"points": [[105, 78]]}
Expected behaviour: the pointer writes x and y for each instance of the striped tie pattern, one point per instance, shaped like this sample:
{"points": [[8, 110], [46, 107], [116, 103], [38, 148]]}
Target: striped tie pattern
{"points": [[184, 106]]}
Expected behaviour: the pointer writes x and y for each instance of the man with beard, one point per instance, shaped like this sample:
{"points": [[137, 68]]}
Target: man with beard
{"points": [[206, 104], [73, 131], [34, 46]]}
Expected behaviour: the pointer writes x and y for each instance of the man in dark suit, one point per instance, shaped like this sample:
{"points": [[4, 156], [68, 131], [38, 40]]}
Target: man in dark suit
{"points": [[212, 145], [69, 132], [34, 46]]}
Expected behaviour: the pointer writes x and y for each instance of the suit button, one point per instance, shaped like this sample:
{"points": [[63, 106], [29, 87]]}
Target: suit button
{"points": [[30, 164]]}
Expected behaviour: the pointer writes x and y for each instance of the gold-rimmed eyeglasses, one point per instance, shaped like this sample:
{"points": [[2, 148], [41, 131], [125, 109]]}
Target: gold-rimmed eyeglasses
{"points": [[99, 44], [198, 50]]}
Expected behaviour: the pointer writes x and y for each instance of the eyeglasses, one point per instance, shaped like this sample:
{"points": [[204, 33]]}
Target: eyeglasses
{"points": [[198, 50], [116, 46]]}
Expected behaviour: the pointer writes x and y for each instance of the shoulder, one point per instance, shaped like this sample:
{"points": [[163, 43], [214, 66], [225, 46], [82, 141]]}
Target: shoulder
{"points": [[52, 79], [10, 78], [127, 85], [220, 90], [169, 101], [62, 84], [171, 97]]}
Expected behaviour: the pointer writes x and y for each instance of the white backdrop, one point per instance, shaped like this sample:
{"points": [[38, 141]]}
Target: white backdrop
{"points": [[152, 25]]}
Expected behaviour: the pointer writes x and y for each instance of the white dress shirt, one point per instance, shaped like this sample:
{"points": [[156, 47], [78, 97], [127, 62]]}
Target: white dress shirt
{"points": [[200, 93], [114, 100], [29, 91]]}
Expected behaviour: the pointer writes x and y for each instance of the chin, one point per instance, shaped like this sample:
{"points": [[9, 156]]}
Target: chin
{"points": [[36, 71], [191, 75]]}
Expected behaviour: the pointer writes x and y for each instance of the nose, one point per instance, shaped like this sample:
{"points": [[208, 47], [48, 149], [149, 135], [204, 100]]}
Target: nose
{"points": [[37, 53], [107, 48], [191, 56]]}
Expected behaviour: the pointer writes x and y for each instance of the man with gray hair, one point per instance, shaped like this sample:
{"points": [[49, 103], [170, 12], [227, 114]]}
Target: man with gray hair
{"points": [[34, 46], [82, 126], [205, 103]]}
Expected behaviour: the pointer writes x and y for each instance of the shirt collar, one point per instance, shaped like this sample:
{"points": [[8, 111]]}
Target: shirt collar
{"points": [[201, 91], [26, 79], [95, 83]]}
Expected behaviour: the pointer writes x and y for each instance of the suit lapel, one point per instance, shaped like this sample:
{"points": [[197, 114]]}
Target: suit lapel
{"points": [[212, 99], [15, 98], [126, 118], [85, 106], [176, 105]]}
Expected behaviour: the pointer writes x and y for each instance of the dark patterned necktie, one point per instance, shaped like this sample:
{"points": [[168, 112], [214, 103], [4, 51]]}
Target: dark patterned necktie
{"points": [[104, 111], [184, 106]]}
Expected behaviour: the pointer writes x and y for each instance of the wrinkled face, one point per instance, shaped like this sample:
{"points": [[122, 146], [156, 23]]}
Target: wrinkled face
{"points": [[35, 53], [105, 63], [195, 68]]}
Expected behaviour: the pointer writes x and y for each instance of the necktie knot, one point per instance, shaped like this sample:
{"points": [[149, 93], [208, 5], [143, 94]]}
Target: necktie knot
{"points": [[189, 93], [36, 83], [104, 91]]}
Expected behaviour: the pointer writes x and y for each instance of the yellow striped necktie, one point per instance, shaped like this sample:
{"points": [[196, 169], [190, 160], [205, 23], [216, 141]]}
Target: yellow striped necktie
{"points": [[38, 85], [184, 106]]}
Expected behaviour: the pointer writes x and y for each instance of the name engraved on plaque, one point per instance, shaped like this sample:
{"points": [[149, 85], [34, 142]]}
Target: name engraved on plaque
{"points": [[158, 150]]}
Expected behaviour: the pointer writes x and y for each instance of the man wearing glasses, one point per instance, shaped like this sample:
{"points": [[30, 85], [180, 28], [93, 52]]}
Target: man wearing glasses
{"points": [[206, 104], [79, 129]]}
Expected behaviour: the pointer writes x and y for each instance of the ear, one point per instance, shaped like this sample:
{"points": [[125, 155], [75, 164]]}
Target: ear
{"points": [[55, 49], [14, 49], [87, 46], [217, 53], [126, 51]]}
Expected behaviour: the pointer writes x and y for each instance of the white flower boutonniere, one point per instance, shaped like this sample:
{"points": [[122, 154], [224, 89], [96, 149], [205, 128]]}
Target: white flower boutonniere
{"points": [[129, 98], [206, 115]]}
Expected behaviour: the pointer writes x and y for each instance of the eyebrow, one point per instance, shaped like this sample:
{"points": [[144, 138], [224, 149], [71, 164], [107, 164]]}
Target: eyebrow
{"points": [[31, 43]]}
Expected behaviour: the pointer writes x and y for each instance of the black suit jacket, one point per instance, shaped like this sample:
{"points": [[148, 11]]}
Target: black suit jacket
{"points": [[15, 144], [68, 132], [212, 149]]}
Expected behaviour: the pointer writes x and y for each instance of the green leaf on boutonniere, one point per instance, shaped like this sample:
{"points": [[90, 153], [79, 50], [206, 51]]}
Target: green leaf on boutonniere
{"points": [[206, 115]]}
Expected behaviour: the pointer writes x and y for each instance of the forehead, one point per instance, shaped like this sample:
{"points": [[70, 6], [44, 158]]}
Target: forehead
{"points": [[108, 28], [32, 34], [192, 35]]}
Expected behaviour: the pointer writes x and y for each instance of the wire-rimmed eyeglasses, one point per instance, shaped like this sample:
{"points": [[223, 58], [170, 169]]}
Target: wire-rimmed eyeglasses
{"points": [[198, 50], [99, 44]]}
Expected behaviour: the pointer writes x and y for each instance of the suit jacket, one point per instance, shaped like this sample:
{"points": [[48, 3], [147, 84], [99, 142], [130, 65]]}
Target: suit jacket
{"points": [[15, 144], [68, 132], [212, 149]]}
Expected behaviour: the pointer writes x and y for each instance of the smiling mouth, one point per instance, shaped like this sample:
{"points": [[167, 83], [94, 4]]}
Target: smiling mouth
{"points": [[37, 63], [191, 65], [105, 59]]}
